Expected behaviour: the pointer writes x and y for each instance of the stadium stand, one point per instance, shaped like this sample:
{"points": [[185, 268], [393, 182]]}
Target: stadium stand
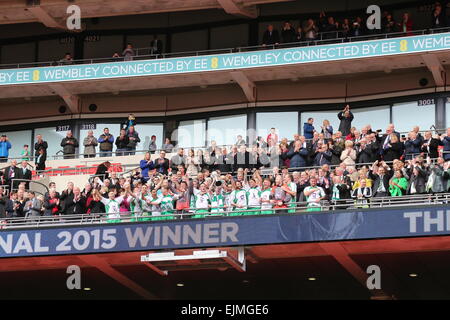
{"points": [[252, 140]]}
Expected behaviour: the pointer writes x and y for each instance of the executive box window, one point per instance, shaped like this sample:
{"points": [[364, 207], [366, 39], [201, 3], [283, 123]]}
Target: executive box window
{"points": [[53, 139], [286, 124], [224, 130], [377, 117], [319, 116], [409, 114], [18, 139], [114, 129], [146, 131], [191, 133]]}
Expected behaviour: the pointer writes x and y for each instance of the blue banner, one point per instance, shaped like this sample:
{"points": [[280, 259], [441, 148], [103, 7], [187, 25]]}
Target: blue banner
{"points": [[232, 61], [227, 231]]}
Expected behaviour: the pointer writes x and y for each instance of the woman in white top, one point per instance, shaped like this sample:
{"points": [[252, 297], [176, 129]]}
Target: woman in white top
{"points": [[191, 164], [348, 155]]}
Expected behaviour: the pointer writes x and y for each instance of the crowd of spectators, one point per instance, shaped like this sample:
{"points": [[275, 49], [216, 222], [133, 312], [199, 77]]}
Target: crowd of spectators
{"points": [[326, 27], [323, 27], [271, 174]]}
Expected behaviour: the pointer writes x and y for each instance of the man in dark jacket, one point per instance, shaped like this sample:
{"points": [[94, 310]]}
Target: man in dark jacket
{"points": [[24, 173], [40, 144], [271, 36], [69, 144], [446, 142], [12, 172], [106, 141], [346, 118], [412, 146], [308, 129], [75, 203], [134, 139], [122, 142], [417, 180], [178, 159], [224, 162], [430, 145], [323, 156], [162, 163], [3, 203], [298, 155], [380, 187], [364, 152]]}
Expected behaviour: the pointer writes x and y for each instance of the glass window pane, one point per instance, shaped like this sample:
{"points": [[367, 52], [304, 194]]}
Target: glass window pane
{"points": [[377, 117], [285, 123], [53, 139], [407, 115], [191, 133], [146, 130], [17, 140], [224, 130], [447, 113]]}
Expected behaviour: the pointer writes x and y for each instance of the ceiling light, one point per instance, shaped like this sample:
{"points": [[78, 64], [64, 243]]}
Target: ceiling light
{"points": [[87, 289], [413, 275], [180, 284], [312, 279]]}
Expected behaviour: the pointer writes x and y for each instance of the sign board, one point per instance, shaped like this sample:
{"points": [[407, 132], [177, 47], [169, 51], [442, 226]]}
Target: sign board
{"points": [[227, 231], [231, 61]]}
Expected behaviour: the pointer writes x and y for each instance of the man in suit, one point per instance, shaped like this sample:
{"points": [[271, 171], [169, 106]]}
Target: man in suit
{"points": [[162, 163], [24, 173], [156, 45], [271, 36], [66, 197], [75, 203], [224, 162], [380, 176], [33, 206], [177, 159], [12, 172], [241, 159], [446, 143], [40, 144], [3, 203], [417, 179], [346, 118], [51, 186], [430, 145]]}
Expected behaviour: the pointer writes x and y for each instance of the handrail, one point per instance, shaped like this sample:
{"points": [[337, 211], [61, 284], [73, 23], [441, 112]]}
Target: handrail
{"points": [[300, 208], [230, 50]]}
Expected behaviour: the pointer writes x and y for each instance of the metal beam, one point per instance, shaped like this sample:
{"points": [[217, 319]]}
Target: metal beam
{"points": [[44, 17], [436, 68], [341, 255], [105, 267], [72, 101], [233, 8], [246, 84]]}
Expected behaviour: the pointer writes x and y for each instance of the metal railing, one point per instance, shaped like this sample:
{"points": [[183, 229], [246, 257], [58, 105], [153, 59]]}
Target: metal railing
{"points": [[322, 38], [193, 213]]}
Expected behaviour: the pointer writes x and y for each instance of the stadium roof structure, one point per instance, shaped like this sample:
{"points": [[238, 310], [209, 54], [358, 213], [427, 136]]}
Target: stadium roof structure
{"points": [[414, 268], [52, 13]]}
